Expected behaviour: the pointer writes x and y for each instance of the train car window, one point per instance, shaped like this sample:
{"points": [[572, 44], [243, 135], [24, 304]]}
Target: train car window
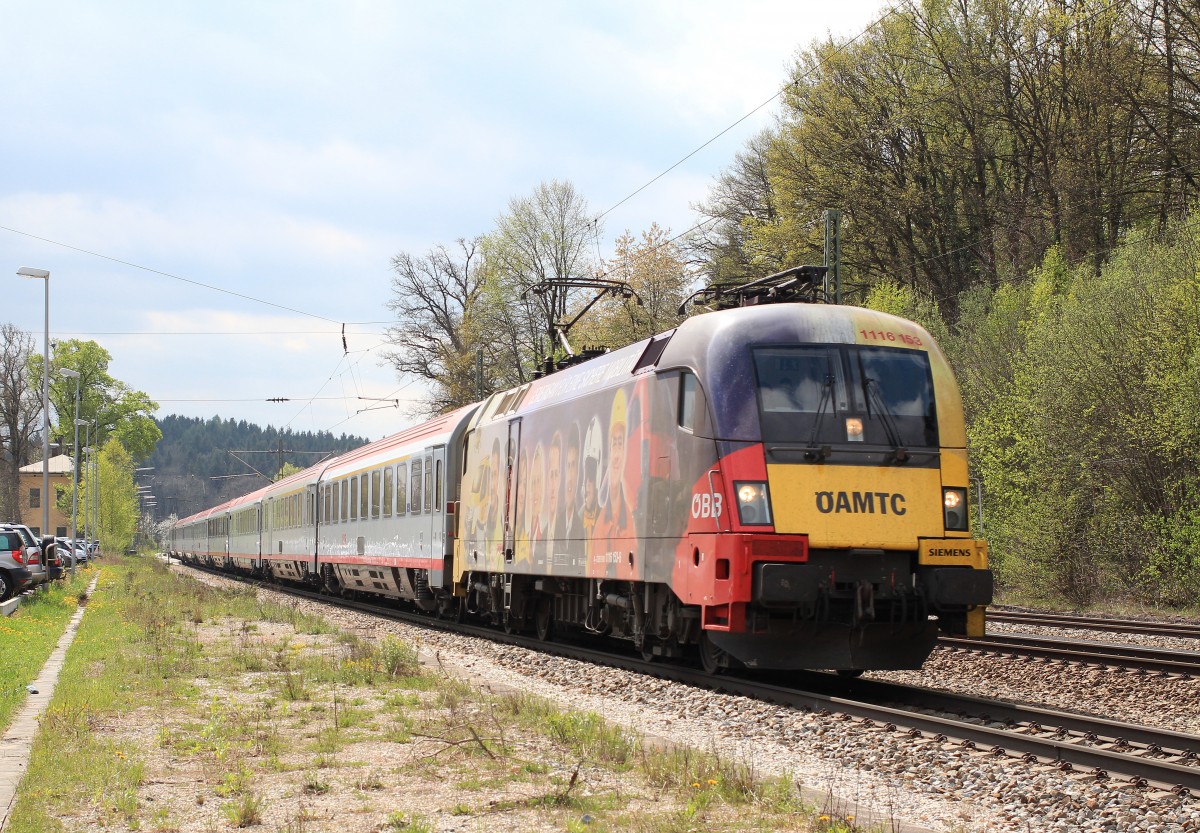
{"points": [[401, 488], [325, 501], [687, 400], [387, 492], [428, 484], [364, 499], [375, 493], [838, 394], [414, 491], [437, 486], [897, 384], [354, 498]]}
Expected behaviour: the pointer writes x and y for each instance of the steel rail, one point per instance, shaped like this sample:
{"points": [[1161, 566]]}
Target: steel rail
{"points": [[1091, 653], [1184, 630], [826, 695]]}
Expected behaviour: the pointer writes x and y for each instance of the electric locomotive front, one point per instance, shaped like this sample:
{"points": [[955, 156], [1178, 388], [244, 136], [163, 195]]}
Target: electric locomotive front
{"points": [[840, 444]]}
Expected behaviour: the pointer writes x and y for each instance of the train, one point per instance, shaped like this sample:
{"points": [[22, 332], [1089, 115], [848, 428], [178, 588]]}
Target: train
{"points": [[768, 485]]}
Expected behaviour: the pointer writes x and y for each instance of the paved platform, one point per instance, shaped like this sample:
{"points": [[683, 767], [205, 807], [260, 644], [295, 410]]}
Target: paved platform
{"points": [[18, 740]]}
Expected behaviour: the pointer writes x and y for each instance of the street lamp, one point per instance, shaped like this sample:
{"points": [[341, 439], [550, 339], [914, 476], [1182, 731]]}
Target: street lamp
{"points": [[87, 458], [74, 374], [42, 274]]}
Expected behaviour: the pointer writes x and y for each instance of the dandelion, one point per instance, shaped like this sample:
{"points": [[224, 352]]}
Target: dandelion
{"points": [[712, 782], [696, 785]]}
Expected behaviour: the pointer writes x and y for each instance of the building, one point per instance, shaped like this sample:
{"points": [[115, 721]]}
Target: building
{"points": [[30, 495]]}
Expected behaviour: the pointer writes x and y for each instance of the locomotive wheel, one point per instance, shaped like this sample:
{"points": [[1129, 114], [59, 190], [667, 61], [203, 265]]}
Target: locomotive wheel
{"points": [[543, 622], [711, 657], [648, 654]]}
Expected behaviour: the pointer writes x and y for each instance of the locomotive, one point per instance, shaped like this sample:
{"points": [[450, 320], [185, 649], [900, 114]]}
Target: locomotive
{"points": [[773, 485]]}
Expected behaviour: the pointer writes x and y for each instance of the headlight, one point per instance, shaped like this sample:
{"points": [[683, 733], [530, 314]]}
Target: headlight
{"points": [[754, 503], [954, 505]]}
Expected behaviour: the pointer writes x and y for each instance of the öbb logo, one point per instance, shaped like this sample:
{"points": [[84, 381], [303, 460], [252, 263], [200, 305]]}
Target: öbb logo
{"points": [[860, 503]]}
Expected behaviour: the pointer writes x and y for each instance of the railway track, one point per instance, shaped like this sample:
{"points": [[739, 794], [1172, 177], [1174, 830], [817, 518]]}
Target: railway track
{"points": [[1182, 630], [1154, 660], [1094, 746]]}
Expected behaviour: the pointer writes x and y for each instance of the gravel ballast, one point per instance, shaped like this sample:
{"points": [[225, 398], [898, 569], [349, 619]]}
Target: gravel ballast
{"points": [[856, 770]]}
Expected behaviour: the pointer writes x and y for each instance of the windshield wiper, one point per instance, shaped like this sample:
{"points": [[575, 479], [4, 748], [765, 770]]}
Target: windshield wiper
{"points": [[816, 453], [871, 387]]}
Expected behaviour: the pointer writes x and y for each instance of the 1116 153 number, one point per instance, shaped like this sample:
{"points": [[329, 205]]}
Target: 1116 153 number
{"points": [[888, 335]]}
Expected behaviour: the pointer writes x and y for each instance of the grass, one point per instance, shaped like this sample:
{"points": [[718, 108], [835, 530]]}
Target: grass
{"points": [[266, 711], [28, 637]]}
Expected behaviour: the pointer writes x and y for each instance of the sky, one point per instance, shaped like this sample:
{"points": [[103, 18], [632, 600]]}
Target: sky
{"points": [[217, 188]]}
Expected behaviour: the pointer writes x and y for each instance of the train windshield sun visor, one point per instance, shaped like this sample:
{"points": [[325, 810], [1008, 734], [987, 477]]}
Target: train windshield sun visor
{"points": [[849, 396]]}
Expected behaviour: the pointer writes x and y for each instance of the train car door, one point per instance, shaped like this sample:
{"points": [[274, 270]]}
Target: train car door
{"points": [[511, 480], [310, 523], [436, 457]]}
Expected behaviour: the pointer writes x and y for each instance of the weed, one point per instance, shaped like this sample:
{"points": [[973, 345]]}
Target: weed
{"points": [[369, 780], [313, 785], [246, 811], [409, 823]]}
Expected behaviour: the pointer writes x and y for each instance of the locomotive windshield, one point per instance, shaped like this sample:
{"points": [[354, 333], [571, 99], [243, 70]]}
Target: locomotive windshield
{"points": [[838, 394]]}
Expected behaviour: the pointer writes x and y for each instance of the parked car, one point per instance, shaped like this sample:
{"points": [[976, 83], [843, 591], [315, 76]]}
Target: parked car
{"points": [[76, 550], [14, 570], [33, 551]]}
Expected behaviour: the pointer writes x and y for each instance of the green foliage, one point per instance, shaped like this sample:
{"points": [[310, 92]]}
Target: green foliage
{"points": [[1083, 397], [111, 483], [287, 470], [29, 635], [117, 410], [964, 140]]}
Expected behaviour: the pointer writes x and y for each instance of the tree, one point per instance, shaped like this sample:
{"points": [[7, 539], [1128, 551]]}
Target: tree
{"points": [[118, 410], [286, 470], [542, 238], [741, 201], [112, 484], [654, 268], [964, 138], [20, 412], [436, 301]]}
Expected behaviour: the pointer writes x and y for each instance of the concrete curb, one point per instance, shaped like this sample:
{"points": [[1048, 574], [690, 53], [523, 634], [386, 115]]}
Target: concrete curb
{"points": [[10, 607], [18, 740]]}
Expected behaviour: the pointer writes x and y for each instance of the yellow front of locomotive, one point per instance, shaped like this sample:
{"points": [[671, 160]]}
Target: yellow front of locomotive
{"points": [[865, 448]]}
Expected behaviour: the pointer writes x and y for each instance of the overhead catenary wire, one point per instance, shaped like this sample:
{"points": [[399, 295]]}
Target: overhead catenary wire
{"points": [[174, 277], [891, 10]]}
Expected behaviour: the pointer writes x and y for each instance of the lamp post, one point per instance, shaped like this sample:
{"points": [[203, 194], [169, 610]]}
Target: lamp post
{"points": [[74, 374], [96, 489], [42, 274], [87, 459]]}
